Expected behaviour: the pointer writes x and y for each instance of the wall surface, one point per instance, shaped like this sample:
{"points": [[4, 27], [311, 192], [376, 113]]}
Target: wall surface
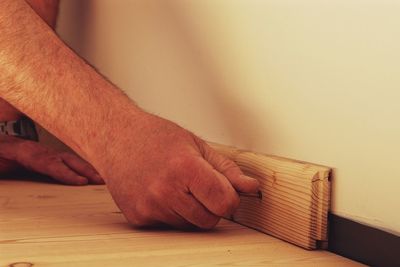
{"points": [[312, 80]]}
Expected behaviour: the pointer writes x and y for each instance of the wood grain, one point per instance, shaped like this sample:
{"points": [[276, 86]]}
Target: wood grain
{"points": [[55, 225], [295, 197]]}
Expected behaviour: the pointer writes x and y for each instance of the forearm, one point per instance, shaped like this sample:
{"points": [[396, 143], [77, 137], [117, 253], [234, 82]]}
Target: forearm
{"points": [[46, 80], [47, 10]]}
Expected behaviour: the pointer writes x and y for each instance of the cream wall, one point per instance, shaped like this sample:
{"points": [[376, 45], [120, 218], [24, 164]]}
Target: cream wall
{"points": [[313, 80]]}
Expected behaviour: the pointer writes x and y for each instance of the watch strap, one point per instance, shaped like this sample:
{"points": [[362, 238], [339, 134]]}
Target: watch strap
{"points": [[23, 128]]}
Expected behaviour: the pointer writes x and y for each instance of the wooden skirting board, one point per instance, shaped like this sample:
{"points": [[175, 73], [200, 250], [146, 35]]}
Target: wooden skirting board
{"points": [[295, 197]]}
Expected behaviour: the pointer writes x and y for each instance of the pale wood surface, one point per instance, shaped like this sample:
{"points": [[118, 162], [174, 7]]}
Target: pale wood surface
{"points": [[56, 225], [295, 197]]}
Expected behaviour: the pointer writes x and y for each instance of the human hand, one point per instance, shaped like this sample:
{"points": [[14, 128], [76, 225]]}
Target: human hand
{"points": [[158, 172], [64, 167]]}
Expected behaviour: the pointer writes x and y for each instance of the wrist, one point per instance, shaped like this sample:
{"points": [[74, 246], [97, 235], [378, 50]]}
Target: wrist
{"points": [[110, 130]]}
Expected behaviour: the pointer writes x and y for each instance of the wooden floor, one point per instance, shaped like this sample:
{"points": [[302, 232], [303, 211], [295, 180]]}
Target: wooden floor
{"points": [[44, 224]]}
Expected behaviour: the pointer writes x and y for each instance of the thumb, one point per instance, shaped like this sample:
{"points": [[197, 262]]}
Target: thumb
{"points": [[229, 169]]}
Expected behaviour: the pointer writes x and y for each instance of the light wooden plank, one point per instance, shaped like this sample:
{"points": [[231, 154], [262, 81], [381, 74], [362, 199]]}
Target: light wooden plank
{"points": [[53, 225], [295, 202]]}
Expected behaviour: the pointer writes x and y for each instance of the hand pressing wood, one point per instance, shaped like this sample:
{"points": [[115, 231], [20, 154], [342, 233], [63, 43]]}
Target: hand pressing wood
{"points": [[294, 200]]}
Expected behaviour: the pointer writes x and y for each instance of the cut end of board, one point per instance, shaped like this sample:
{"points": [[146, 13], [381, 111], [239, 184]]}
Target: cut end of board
{"points": [[295, 197]]}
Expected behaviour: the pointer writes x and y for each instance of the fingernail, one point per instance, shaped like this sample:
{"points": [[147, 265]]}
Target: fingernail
{"points": [[255, 183], [246, 177]]}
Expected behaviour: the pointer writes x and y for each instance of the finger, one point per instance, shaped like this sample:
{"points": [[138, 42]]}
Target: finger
{"points": [[194, 212], [153, 213], [230, 170], [82, 168], [60, 172], [210, 188], [175, 220]]}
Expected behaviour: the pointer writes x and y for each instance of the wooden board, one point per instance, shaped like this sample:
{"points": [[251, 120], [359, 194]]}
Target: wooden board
{"points": [[295, 197], [47, 225]]}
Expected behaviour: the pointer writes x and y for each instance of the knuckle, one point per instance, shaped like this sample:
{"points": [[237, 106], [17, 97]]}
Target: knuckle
{"points": [[183, 162], [186, 167], [226, 164], [158, 190], [227, 206], [223, 164], [208, 223], [202, 146], [142, 212], [222, 208], [137, 221], [228, 167], [140, 218]]}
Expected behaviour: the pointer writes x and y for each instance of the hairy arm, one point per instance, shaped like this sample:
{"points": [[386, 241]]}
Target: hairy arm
{"points": [[42, 77], [156, 171]]}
